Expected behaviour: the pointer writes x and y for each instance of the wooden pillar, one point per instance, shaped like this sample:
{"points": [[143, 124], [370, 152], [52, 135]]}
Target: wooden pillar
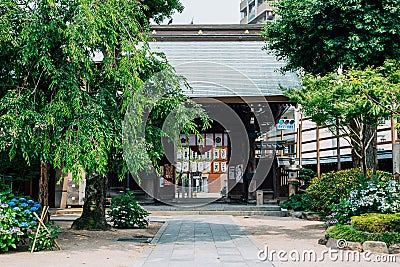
{"points": [[282, 137], [395, 151], [318, 154], [393, 130], [339, 163], [300, 141], [275, 177], [64, 192]]}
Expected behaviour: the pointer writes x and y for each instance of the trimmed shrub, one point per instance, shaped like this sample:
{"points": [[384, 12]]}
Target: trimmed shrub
{"points": [[126, 212], [331, 187], [348, 233], [377, 223], [327, 191], [297, 202]]}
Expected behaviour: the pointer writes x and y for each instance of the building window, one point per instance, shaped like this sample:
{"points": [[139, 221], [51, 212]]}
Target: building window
{"points": [[252, 7]]}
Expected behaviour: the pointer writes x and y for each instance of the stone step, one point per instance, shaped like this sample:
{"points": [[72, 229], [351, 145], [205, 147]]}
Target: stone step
{"points": [[213, 207], [205, 212], [210, 209]]}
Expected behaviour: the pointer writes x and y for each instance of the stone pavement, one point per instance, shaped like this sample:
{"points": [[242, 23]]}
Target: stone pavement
{"points": [[201, 241]]}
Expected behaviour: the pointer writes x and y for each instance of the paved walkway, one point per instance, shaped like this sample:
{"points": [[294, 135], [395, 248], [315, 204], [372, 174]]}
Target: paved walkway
{"points": [[201, 241]]}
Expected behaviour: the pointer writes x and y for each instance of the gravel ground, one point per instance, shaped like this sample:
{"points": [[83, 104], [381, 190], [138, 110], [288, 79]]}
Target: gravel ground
{"points": [[287, 234], [98, 248]]}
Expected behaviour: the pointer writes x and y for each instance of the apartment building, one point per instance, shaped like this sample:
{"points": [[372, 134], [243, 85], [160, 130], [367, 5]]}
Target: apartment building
{"points": [[256, 11]]}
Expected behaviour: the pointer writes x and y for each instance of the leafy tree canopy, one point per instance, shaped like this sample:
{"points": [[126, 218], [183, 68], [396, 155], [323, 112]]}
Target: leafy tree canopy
{"points": [[68, 71], [159, 10], [352, 101], [319, 36]]}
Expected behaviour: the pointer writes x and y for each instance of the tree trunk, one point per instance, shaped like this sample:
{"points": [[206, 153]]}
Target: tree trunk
{"points": [[93, 215], [355, 147], [372, 150], [44, 184], [367, 150]]}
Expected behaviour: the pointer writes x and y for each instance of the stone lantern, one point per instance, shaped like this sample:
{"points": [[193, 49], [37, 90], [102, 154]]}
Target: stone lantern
{"points": [[292, 170]]}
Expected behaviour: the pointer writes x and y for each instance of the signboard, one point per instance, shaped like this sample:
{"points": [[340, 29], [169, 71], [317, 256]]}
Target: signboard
{"points": [[286, 124]]}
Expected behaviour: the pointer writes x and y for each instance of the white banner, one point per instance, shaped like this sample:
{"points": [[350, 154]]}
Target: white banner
{"points": [[208, 166], [216, 153], [216, 166], [186, 153], [193, 166], [178, 167], [185, 166], [200, 166], [224, 153], [223, 167]]}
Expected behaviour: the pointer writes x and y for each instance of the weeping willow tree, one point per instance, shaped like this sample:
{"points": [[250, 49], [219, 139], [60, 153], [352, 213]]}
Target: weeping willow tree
{"points": [[68, 71]]}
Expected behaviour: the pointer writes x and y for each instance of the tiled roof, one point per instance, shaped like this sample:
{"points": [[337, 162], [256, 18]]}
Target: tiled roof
{"points": [[226, 69]]}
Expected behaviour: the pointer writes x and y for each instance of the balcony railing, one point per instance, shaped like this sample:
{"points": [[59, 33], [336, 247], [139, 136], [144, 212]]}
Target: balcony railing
{"points": [[243, 5]]}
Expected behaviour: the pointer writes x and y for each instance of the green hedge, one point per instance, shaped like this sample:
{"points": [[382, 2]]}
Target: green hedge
{"points": [[331, 187], [297, 202], [327, 190], [377, 223], [348, 233]]}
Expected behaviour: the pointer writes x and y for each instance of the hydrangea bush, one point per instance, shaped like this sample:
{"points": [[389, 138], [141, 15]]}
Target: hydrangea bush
{"points": [[10, 234], [125, 212], [18, 224], [375, 196]]}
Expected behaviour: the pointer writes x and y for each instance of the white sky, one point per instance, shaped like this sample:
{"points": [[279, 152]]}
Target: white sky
{"points": [[209, 12]]}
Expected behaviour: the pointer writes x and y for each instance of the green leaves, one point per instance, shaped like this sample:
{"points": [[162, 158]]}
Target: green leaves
{"points": [[68, 71], [320, 36], [372, 93], [159, 10]]}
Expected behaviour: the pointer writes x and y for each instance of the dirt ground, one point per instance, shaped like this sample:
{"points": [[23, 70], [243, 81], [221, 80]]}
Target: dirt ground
{"points": [[88, 248], [89, 240], [287, 234]]}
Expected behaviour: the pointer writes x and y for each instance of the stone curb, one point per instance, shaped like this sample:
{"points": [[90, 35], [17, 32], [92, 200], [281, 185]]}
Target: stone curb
{"points": [[159, 234], [371, 246], [149, 248]]}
